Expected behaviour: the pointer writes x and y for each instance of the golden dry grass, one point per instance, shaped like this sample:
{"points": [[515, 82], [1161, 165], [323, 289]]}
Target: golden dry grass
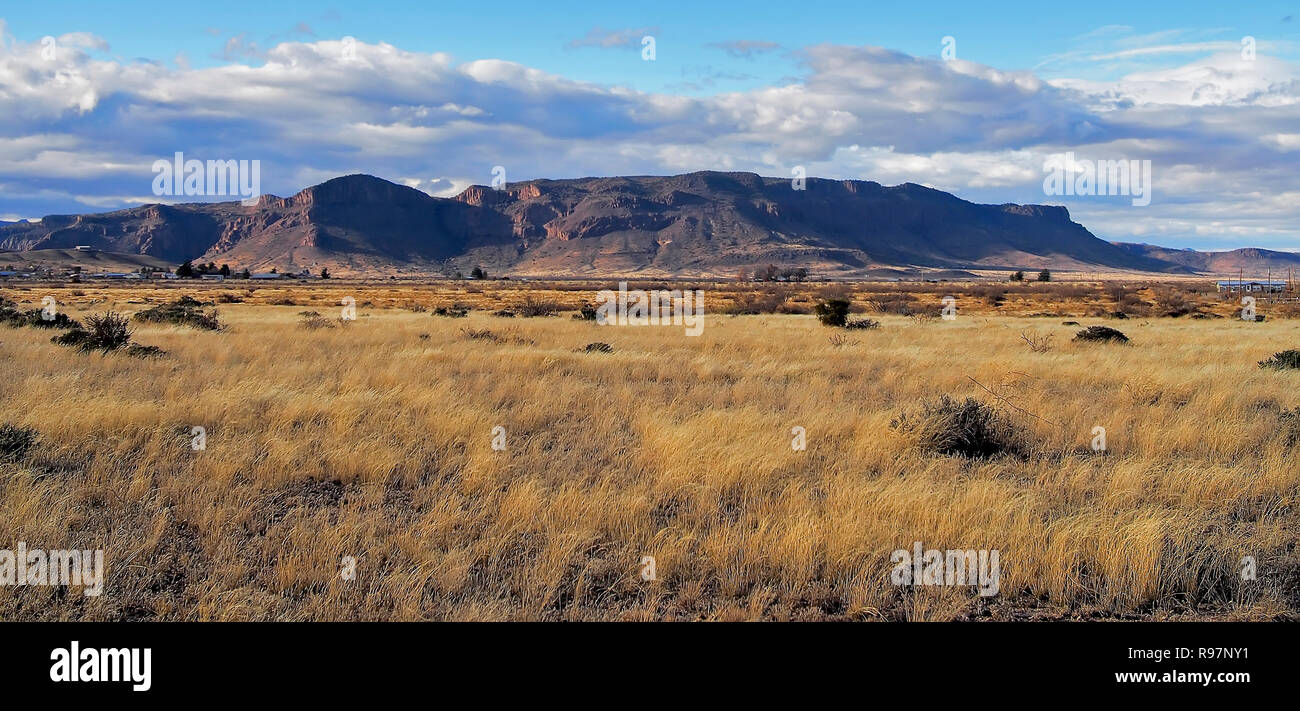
{"points": [[368, 440]]}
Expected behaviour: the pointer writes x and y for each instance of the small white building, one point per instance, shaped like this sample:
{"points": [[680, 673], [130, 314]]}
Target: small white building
{"points": [[265, 275], [214, 277], [1248, 285]]}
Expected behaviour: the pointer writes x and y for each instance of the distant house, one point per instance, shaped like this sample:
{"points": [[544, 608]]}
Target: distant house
{"points": [[6, 275], [1233, 285], [266, 275], [214, 277], [84, 248]]}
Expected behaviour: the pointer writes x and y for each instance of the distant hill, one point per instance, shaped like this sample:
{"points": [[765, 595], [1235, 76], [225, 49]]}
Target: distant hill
{"points": [[96, 261], [696, 224], [1249, 259]]}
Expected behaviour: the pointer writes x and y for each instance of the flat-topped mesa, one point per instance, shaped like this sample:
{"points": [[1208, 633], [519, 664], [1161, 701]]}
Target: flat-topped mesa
{"points": [[693, 224]]}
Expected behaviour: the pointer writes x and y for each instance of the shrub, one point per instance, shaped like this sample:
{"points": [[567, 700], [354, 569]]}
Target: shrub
{"points": [[185, 311], [991, 294], [839, 340], [1037, 343], [586, 313], [34, 318], [1100, 334], [532, 308], [75, 338], [1283, 360], [451, 311], [1127, 301], [598, 347], [1173, 303], [106, 332], [312, 320], [793, 309], [135, 350], [15, 441], [898, 304], [865, 324], [759, 302], [968, 429], [480, 334], [103, 332], [833, 313], [37, 320]]}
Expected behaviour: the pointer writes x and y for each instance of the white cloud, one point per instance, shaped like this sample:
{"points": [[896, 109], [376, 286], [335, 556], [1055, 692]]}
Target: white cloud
{"points": [[1221, 133]]}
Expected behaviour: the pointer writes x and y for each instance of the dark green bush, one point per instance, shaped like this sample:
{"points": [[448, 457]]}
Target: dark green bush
{"points": [[1283, 360], [37, 320], [34, 319], [1100, 334], [834, 312], [185, 311], [103, 332], [135, 350]]}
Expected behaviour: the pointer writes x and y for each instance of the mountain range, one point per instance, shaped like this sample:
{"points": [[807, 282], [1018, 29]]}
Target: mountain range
{"points": [[704, 224]]}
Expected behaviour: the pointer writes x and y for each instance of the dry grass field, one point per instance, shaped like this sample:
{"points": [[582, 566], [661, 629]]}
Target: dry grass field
{"points": [[373, 439]]}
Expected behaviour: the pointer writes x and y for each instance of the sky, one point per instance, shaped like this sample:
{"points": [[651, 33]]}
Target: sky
{"points": [[973, 98]]}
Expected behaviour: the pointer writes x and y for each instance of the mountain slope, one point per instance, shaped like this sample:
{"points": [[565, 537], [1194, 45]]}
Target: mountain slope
{"points": [[715, 223], [60, 259], [1251, 259]]}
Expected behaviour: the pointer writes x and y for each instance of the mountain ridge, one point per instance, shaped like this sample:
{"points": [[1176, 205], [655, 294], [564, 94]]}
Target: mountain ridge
{"points": [[705, 223]]}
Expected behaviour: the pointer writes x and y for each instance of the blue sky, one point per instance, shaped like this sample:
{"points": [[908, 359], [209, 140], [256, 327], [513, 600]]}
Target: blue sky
{"points": [[444, 91], [1008, 35]]}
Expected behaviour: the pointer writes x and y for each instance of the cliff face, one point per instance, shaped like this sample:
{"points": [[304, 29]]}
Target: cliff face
{"points": [[704, 223], [167, 232]]}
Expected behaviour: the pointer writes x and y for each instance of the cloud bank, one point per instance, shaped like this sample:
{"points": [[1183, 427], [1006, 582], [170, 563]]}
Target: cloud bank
{"points": [[79, 133]]}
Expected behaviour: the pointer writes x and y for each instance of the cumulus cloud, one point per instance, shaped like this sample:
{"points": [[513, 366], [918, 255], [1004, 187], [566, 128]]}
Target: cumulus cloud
{"points": [[81, 133]]}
